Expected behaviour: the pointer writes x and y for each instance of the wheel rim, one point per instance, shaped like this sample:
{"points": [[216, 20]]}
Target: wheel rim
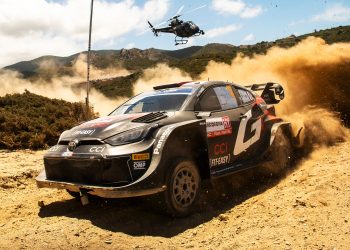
{"points": [[185, 187]]}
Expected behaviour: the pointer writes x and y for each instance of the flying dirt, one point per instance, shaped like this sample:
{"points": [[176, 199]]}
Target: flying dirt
{"points": [[305, 209]]}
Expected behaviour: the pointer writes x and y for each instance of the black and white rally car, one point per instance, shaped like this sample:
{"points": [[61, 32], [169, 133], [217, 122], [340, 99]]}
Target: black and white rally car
{"points": [[168, 141]]}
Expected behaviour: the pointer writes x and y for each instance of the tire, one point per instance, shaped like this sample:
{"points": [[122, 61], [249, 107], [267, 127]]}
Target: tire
{"points": [[183, 183], [280, 155]]}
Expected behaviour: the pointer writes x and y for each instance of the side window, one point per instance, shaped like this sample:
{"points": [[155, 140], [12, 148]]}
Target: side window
{"points": [[245, 96], [209, 101], [218, 98], [226, 97]]}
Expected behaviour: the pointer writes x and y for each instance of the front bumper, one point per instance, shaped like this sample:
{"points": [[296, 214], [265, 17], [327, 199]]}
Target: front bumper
{"points": [[101, 191]]}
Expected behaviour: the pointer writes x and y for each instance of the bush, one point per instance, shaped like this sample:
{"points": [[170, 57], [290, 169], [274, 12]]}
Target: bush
{"points": [[36, 122]]}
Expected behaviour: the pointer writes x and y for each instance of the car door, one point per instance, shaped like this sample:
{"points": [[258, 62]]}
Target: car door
{"points": [[250, 131], [223, 118]]}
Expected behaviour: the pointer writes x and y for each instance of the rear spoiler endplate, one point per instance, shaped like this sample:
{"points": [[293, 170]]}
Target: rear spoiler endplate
{"points": [[269, 92]]}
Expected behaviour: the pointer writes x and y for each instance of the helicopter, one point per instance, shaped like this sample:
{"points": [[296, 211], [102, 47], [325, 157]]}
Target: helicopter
{"points": [[180, 28]]}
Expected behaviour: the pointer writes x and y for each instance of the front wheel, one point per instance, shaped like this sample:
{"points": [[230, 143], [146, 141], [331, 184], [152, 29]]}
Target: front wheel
{"points": [[183, 187]]}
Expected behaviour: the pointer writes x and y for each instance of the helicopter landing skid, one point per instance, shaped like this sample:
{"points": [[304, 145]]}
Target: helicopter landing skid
{"points": [[180, 41]]}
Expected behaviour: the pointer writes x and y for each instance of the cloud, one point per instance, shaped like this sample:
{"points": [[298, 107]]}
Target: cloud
{"points": [[33, 28], [236, 7], [222, 30], [335, 13], [251, 12], [248, 38]]}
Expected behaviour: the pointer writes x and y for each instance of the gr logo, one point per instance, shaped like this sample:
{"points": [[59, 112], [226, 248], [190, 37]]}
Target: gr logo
{"points": [[242, 145], [97, 149]]}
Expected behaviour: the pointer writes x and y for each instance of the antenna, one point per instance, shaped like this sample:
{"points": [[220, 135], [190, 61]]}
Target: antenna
{"points": [[88, 63]]}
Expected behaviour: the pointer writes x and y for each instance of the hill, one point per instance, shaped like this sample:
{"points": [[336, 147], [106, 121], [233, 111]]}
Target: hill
{"points": [[32, 121], [192, 59]]}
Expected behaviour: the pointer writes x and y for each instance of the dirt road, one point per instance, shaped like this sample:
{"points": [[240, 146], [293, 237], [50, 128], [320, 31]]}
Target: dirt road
{"points": [[308, 209]]}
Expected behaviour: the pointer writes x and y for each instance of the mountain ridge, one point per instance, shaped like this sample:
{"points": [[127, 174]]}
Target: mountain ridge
{"points": [[191, 59]]}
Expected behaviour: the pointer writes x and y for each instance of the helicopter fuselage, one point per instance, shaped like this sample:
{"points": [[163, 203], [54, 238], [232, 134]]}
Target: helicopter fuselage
{"points": [[180, 29], [186, 29]]}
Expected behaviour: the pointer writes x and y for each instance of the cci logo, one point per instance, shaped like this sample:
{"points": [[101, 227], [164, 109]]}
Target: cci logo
{"points": [[220, 148]]}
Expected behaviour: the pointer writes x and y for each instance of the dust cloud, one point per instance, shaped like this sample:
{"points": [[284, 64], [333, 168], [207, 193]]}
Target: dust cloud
{"points": [[63, 87], [316, 78], [160, 74]]}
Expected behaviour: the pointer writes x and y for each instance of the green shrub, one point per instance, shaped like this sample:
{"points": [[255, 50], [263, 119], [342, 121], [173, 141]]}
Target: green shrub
{"points": [[36, 122]]}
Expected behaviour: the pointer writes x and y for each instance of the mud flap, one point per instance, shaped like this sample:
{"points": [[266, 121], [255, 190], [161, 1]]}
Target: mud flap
{"points": [[84, 197]]}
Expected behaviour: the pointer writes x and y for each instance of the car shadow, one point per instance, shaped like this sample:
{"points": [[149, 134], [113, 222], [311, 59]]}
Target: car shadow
{"points": [[136, 217]]}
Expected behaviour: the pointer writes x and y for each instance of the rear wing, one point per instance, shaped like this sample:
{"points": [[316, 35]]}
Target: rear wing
{"points": [[269, 91]]}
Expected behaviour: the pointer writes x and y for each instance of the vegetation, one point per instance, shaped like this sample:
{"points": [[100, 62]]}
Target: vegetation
{"points": [[118, 86], [32, 121]]}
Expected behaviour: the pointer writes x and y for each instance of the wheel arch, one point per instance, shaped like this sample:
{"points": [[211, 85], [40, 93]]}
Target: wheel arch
{"points": [[286, 128], [187, 141]]}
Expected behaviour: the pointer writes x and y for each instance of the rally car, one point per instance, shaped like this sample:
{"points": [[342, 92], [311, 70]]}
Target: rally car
{"points": [[167, 141]]}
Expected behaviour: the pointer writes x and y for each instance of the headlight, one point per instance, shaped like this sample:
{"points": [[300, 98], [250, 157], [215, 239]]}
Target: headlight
{"points": [[62, 135], [128, 137]]}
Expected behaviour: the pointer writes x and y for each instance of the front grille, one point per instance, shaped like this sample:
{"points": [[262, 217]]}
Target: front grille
{"points": [[151, 117], [109, 172], [83, 142]]}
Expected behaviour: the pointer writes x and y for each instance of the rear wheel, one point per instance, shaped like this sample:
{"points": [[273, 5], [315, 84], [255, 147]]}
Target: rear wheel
{"points": [[183, 188], [280, 155]]}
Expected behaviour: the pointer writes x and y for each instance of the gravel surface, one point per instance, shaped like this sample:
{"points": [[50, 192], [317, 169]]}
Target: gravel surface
{"points": [[308, 209]]}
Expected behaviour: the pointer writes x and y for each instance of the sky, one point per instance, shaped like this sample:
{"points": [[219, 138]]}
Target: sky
{"points": [[33, 28]]}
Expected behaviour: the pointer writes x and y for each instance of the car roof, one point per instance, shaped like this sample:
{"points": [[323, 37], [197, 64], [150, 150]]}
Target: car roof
{"points": [[205, 84]]}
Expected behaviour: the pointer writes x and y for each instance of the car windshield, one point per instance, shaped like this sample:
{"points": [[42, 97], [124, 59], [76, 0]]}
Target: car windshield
{"points": [[159, 100]]}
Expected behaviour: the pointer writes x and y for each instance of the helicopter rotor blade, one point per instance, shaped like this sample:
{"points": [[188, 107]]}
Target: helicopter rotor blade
{"points": [[178, 14], [190, 11], [174, 17], [180, 9]]}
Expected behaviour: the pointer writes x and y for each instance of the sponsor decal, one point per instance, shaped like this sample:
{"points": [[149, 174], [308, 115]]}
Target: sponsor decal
{"points": [[221, 148], [220, 161], [242, 145], [140, 157], [84, 132], [54, 148], [204, 114], [139, 165], [97, 149], [218, 126], [67, 154], [161, 140]]}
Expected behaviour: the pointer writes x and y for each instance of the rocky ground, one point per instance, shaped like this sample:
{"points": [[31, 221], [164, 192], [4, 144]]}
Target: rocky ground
{"points": [[307, 209]]}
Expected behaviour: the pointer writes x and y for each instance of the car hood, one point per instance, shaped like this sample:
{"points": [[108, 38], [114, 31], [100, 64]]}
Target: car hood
{"points": [[104, 127]]}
